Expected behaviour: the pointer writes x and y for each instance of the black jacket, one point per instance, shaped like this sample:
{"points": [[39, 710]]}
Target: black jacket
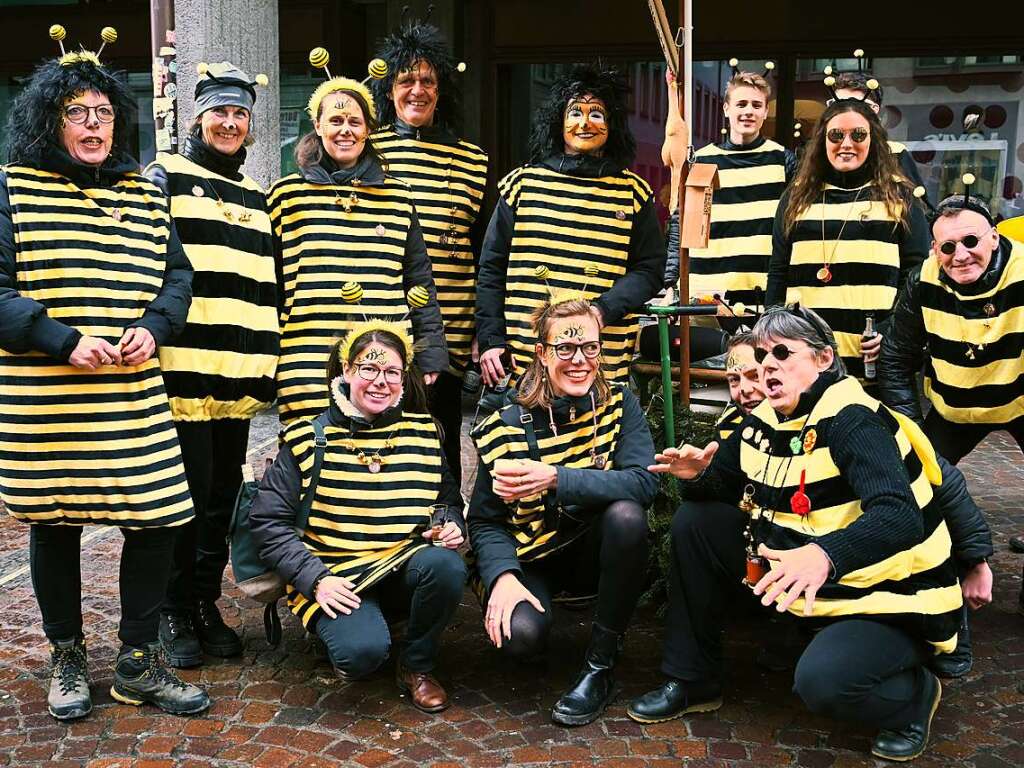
{"points": [[25, 325], [277, 504], [199, 152], [905, 346], [589, 490]]}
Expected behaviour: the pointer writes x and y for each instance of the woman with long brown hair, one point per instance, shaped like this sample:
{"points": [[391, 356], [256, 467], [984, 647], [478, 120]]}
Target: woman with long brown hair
{"points": [[847, 232], [560, 500]]}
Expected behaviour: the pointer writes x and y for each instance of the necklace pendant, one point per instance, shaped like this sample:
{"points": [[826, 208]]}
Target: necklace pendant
{"points": [[989, 309], [374, 465], [444, 239], [116, 214], [969, 354], [800, 504], [228, 215], [824, 274], [599, 462], [198, 191], [245, 217], [747, 502]]}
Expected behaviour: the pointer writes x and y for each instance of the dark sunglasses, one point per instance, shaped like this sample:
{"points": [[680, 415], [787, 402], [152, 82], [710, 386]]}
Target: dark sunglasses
{"points": [[780, 352], [948, 247], [857, 135]]}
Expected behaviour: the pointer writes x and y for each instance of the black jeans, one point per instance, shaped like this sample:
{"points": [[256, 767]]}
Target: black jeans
{"points": [[55, 561], [213, 453], [611, 557], [427, 588], [954, 441], [446, 407], [854, 669]]}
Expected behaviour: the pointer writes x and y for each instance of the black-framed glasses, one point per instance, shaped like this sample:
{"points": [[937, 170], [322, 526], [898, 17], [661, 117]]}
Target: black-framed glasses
{"points": [[857, 135], [948, 247], [79, 113], [566, 350], [780, 352], [371, 372]]}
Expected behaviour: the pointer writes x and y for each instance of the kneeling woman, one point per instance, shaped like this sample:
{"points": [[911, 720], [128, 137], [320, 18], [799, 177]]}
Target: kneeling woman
{"points": [[384, 495], [560, 502], [839, 493]]}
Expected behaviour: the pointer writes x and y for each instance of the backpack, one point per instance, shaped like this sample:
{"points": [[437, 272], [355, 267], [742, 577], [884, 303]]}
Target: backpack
{"points": [[251, 574]]}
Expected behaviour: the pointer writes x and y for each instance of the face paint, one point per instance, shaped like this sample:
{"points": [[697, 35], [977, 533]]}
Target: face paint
{"points": [[374, 395], [571, 329], [743, 376], [585, 126], [372, 355], [342, 128], [576, 375]]}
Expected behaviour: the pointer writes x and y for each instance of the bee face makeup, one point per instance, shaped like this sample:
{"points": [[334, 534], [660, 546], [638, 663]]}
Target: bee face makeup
{"points": [[744, 378], [375, 379], [585, 127], [342, 127], [571, 354]]}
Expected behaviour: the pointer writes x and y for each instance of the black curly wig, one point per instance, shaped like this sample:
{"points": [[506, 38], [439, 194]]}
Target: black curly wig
{"points": [[34, 122], [605, 84], [401, 50]]}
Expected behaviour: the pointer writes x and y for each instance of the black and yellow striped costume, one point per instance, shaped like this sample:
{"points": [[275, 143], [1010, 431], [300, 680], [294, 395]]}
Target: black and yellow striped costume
{"points": [[752, 178], [447, 178], [974, 372], [222, 365], [80, 446], [329, 234], [730, 418], [868, 262], [917, 586], [566, 222], [362, 525]]}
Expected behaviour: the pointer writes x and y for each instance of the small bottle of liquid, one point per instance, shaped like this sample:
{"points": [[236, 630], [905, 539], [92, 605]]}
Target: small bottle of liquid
{"points": [[869, 333]]}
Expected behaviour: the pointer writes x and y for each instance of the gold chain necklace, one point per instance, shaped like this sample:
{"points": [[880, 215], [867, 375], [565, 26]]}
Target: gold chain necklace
{"points": [[825, 273], [243, 217]]}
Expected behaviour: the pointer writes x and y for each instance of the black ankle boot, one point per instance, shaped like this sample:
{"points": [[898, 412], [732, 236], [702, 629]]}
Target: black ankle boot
{"points": [[178, 638], [910, 741], [676, 698], [595, 686], [959, 662], [216, 637]]}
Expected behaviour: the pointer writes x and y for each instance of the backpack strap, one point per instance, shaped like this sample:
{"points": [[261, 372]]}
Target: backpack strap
{"points": [[550, 509]]}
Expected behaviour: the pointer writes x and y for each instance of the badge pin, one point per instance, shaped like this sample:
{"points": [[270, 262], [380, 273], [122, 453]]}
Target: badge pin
{"points": [[810, 440], [620, 215], [380, 230], [198, 191], [796, 445]]}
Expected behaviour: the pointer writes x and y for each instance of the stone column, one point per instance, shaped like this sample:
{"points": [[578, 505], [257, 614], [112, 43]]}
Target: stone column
{"points": [[244, 32]]}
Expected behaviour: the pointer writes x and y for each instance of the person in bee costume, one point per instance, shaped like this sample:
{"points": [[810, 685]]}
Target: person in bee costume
{"points": [[93, 281], [220, 371], [343, 227], [574, 201], [419, 113]]}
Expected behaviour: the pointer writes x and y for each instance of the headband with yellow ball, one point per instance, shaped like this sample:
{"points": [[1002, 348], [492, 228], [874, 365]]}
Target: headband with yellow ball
{"points": [[565, 295], [417, 297], [319, 58], [871, 87], [108, 36], [377, 324], [965, 201]]}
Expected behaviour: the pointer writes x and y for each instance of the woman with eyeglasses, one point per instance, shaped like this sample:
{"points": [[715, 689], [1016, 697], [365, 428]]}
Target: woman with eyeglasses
{"points": [[847, 232], [560, 503], [93, 281], [385, 520], [842, 532], [219, 371]]}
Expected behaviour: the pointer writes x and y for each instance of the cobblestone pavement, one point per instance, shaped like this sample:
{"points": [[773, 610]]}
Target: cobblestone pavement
{"points": [[284, 707]]}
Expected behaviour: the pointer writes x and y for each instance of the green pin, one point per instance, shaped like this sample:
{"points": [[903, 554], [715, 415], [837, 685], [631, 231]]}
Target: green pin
{"points": [[796, 445]]}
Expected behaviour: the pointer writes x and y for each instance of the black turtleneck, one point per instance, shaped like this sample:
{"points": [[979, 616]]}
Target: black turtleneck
{"points": [[83, 176], [584, 166], [366, 171], [848, 179], [732, 146], [201, 153], [435, 134]]}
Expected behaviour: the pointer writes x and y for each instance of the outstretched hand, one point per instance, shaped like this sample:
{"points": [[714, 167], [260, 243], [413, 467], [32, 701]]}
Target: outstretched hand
{"points": [[686, 462]]}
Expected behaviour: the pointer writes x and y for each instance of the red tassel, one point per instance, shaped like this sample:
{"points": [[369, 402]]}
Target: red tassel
{"points": [[800, 503]]}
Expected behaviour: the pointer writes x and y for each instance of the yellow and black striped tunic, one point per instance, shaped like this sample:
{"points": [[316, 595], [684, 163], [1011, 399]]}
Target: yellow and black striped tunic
{"points": [[731, 418], [565, 223], [917, 586], [735, 263], [222, 365], [447, 180], [363, 525], [974, 372], [80, 446], [570, 448], [323, 246]]}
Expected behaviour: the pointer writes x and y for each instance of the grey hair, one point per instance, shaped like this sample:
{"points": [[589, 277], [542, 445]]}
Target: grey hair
{"points": [[799, 324]]}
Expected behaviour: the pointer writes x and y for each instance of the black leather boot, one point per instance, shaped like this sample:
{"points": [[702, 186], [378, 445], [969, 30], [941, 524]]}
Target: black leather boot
{"points": [[959, 662], [910, 741], [216, 637], [676, 698], [178, 638], [595, 686]]}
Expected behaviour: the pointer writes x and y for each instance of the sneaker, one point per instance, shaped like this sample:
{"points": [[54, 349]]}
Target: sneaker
{"points": [[215, 637], [178, 637], [140, 677], [69, 680]]}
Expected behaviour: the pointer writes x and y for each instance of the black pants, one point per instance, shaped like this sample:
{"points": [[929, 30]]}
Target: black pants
{"points": [[213, 453], [426, 588], [611, 556], [55, 561], [854, 669], [954, 441], [446, 407]]}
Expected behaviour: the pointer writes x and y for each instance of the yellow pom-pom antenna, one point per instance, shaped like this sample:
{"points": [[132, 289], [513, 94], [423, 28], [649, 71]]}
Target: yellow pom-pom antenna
{"points": [[797, 126], [769, 65], [109, 36], [968, 179], [830, 81], [57, 34], [418, 296], [541, 272], [202, 68], [828, 69], [360, 329], [351, 292], [320, 58], [872, 84], [859, 53], [724, 131], [262, 80], [796, 134], [378, 69], [919, 192], [734, 62], [461, 66]]}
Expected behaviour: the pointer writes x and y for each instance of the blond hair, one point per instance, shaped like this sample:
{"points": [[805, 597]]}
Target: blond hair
{"points": [[749, 80]]}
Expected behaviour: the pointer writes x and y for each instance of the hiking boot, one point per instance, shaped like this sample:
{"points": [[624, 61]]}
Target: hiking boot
{"points": [[140, 676], [69, 680], [215, 637], [178, 638]]}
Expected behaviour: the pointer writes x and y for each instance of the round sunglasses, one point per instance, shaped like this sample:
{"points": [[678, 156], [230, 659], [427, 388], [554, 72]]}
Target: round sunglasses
{"points": [[780, 352], [948, 247], [857, 135]]}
